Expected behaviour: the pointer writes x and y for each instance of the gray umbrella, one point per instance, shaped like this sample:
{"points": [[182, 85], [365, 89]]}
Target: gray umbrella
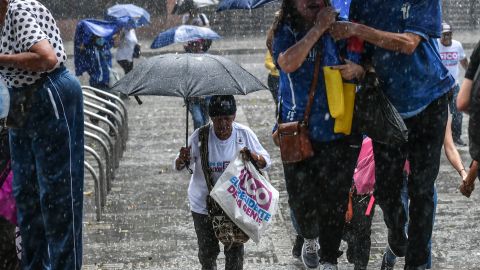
{"points": [[188, 75]]}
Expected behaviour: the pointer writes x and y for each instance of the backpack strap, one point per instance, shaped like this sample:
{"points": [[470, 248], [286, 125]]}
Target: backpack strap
{"points": [[203, 133]]}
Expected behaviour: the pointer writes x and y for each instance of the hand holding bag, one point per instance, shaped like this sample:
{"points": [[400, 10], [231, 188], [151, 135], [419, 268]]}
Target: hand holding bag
{"points": [[295, 144]]}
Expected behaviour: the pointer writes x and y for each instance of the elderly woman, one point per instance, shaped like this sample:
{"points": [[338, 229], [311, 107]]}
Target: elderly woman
{"points": [[46, 136], [226, 139]]}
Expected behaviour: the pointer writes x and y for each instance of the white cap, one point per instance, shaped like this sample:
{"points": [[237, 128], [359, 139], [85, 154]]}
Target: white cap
{"points": [[446, 28]]}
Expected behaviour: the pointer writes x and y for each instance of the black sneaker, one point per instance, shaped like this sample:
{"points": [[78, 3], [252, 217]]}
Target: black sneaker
{"points": [[459, 142], [397, 242], [297, 247], [421, 267]]}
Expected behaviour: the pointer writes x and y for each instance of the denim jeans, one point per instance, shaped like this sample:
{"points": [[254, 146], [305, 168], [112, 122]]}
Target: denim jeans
{"points": [[209, 248], [391, 258], [457, 116], [423, 149], [47, 161], [318, 192], [199, 109]]}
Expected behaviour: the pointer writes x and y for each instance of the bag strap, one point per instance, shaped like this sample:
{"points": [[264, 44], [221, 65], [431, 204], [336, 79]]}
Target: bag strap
{"points": [[313, 87], [203, 139]]}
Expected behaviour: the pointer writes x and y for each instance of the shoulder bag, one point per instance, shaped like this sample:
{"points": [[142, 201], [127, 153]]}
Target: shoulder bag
{"points": [[294, 141], [225, 229]]}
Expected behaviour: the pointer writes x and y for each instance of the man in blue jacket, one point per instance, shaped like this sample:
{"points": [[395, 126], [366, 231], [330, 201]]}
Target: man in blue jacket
{"points": [[401, 38]]}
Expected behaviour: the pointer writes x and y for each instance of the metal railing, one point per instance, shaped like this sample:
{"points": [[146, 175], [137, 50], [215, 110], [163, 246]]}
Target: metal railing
{"points": [[111, 113]]}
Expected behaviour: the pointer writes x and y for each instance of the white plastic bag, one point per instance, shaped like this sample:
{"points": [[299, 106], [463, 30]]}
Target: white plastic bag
{"points": [[113, 77], [4, 100], [246, 197]]}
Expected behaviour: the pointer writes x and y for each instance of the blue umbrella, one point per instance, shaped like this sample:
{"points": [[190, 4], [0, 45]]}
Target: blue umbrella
{"points": [[84, 33], [242, 4], [128, 15], [183, 33]]}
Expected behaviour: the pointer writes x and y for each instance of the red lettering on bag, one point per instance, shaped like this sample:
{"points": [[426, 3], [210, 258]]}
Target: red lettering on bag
{"points": [[255, 189]]}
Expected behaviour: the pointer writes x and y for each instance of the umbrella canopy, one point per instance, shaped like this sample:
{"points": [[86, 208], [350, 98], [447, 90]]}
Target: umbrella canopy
{"points": [[128, 15], [183, 33], [342, 5], [84, 33], [188, 75], [242, 4], [185, 6]]}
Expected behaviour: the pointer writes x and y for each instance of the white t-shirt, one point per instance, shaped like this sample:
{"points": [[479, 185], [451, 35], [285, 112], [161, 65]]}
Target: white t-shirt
{"points": [[127, 45], [220, 153], [451, 56]]}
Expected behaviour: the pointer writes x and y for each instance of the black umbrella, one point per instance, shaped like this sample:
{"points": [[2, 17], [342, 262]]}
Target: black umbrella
{"points": [[188, 75]]}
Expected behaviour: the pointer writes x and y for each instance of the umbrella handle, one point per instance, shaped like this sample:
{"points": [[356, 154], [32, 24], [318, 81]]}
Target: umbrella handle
{"points": [[139, 101], [186, 126]]}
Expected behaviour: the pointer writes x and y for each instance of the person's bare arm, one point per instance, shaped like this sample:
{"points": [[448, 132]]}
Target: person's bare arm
{"points": [[290, 60], [40, 58], [399, 42], [464, 63], [463, 98], [451, 151]]}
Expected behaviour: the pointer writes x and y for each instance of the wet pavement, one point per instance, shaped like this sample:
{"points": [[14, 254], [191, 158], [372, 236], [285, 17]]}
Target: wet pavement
{"points": [[147, 224]]}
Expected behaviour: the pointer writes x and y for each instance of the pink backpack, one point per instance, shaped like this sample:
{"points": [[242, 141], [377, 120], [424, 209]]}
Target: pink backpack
{"points": [[364, 176], [7, 201]]}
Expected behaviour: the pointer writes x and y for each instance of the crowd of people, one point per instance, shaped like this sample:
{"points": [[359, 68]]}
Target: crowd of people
{"points": [[332, 193]]}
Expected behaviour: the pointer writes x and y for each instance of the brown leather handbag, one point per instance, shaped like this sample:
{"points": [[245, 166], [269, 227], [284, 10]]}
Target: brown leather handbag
{"points": [[294, 139]]}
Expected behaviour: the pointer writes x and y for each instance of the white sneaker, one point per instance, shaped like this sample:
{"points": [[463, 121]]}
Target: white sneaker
{"points": [[329, 266], [310, 253]]}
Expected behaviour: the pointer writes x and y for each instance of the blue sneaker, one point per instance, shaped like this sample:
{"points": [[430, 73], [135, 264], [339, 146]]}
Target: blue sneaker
{"points": [[388, 260], [310, 253]]}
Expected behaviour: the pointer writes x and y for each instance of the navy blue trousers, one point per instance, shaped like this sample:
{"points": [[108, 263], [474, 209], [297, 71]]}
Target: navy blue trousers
{"points": [[423, 150], [47, 162]]}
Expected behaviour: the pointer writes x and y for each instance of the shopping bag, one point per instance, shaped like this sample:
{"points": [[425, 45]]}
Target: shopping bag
{"points": [[375, 116], [7, 202], [248, 199], [113, 77], [343, 124], [334, 90]]}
